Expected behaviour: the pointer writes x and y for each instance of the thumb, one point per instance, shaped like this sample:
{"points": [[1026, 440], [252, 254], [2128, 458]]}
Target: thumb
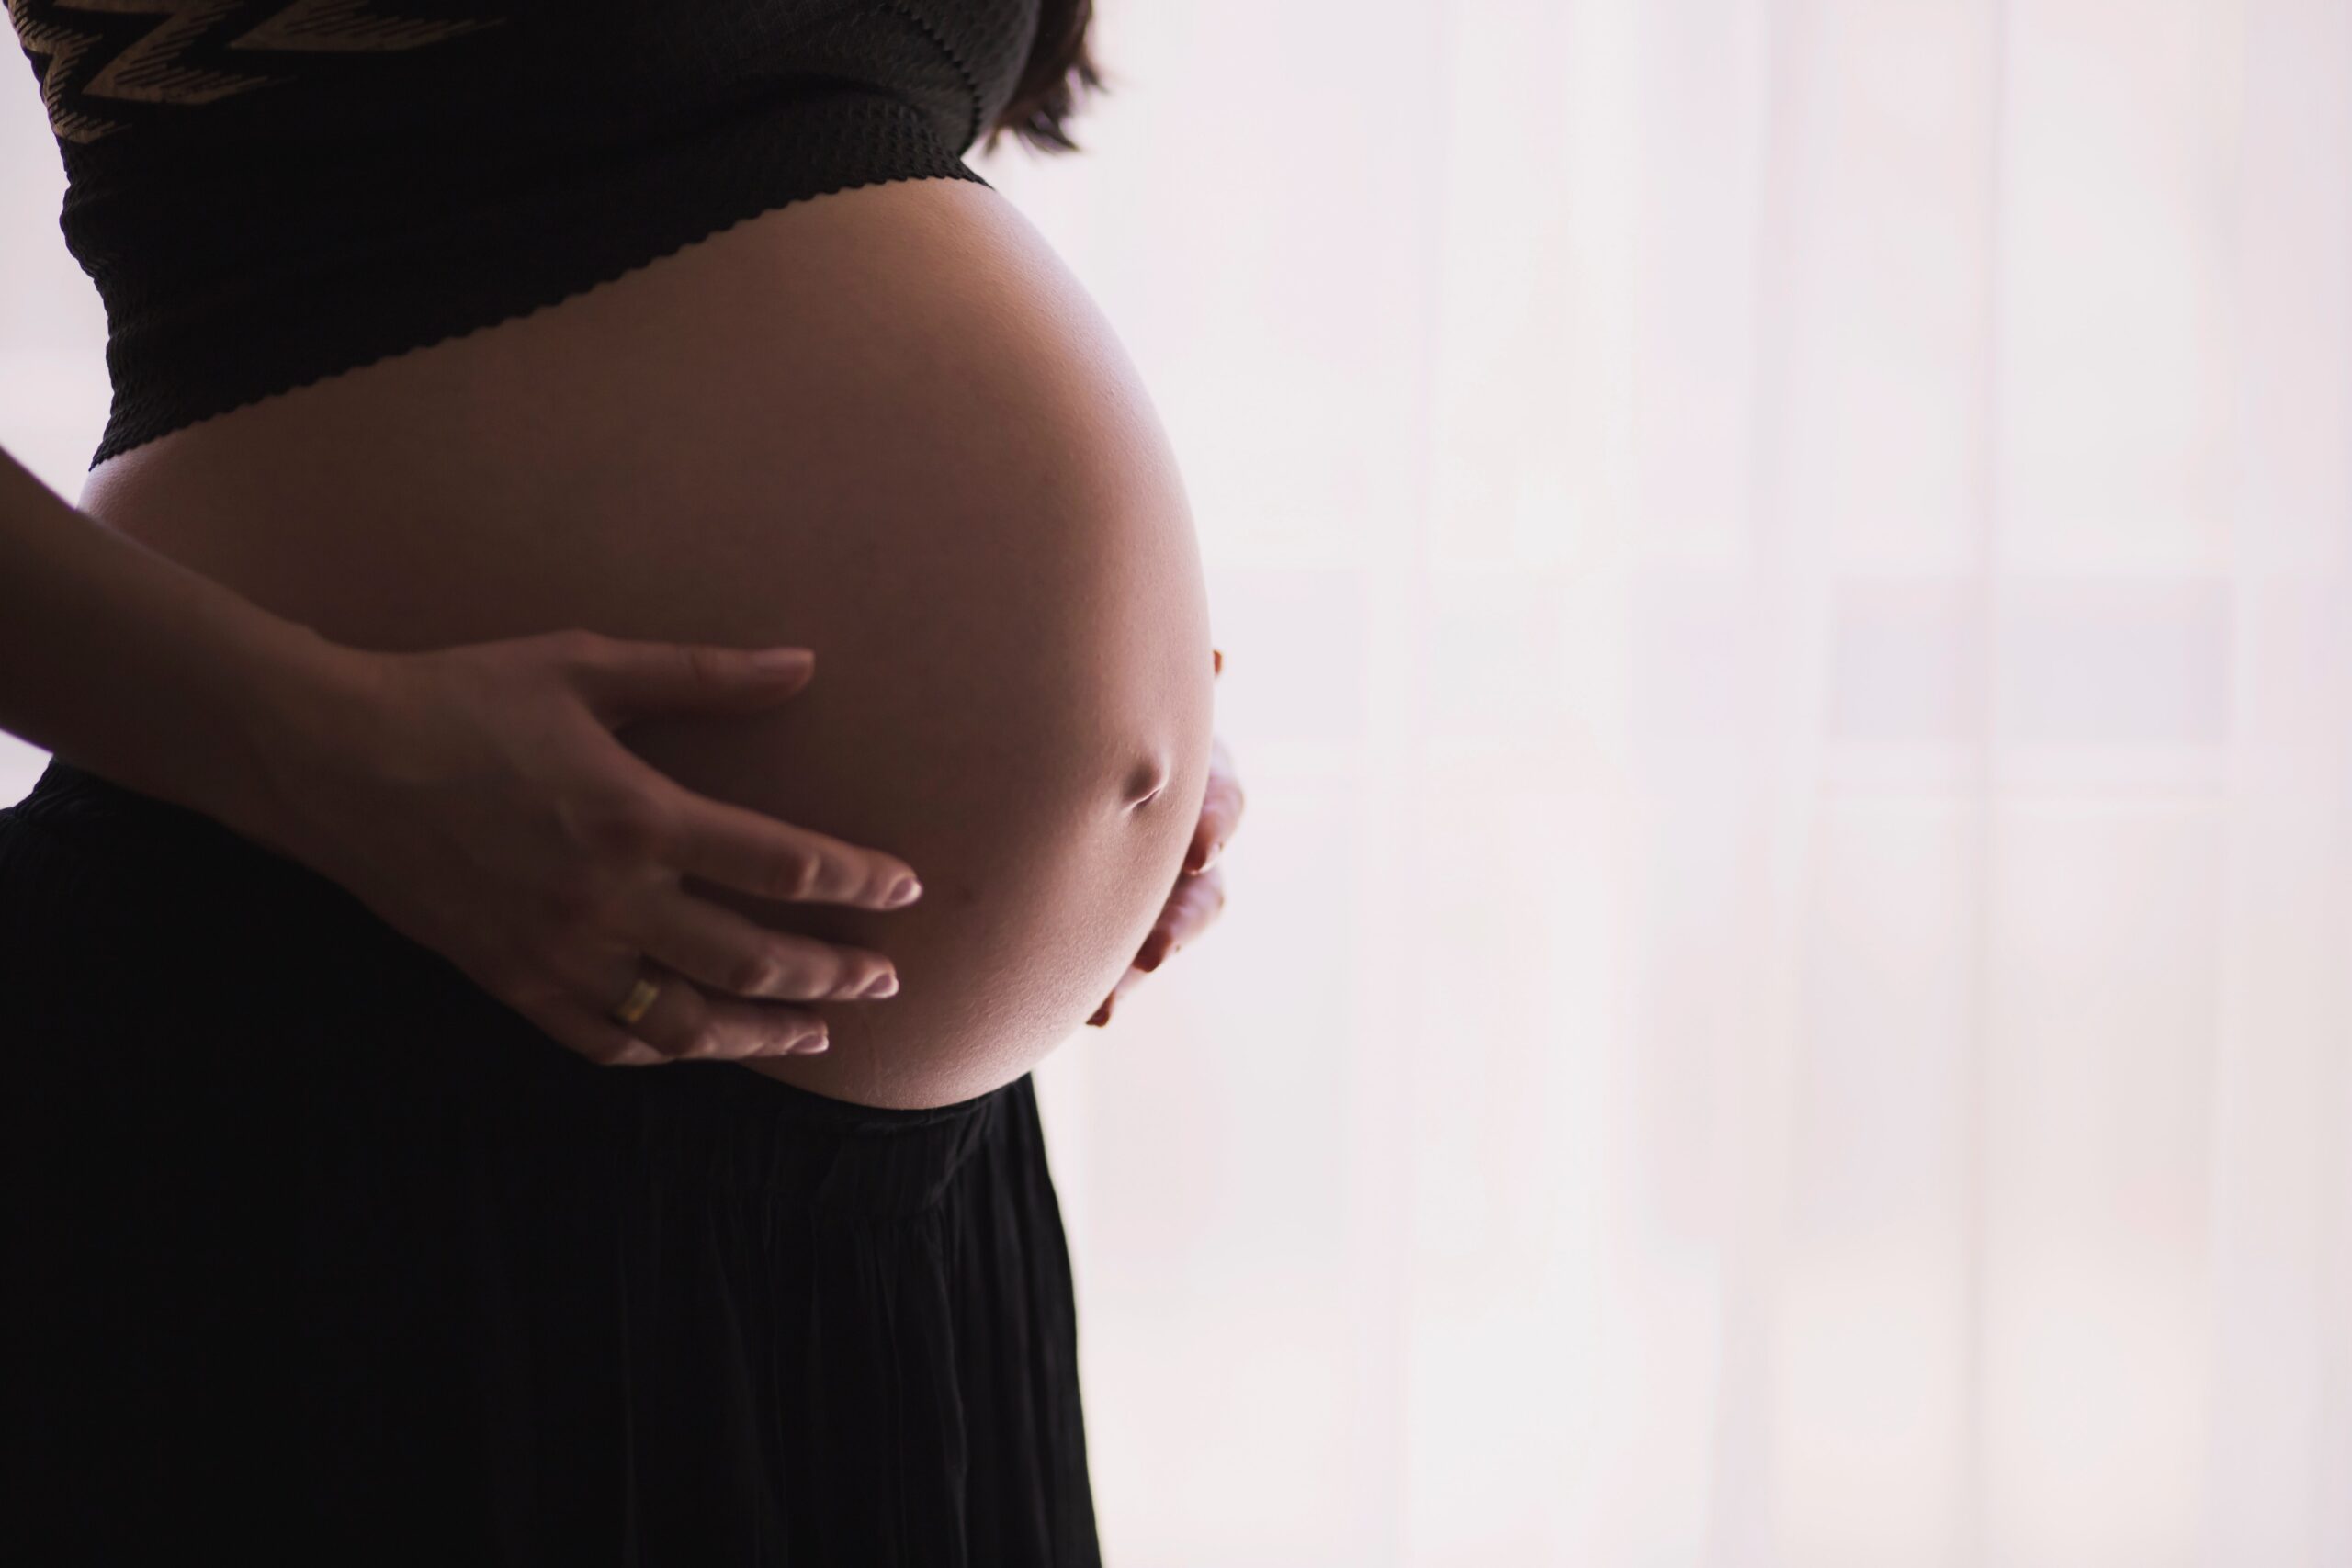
{"points": [[625, 681]]}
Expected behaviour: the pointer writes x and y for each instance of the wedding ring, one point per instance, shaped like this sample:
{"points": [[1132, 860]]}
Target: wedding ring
{"points": [[641, 997]]}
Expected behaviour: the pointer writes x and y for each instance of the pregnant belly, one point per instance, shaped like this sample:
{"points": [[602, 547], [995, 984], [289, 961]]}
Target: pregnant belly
{"points": [[885, 424]]}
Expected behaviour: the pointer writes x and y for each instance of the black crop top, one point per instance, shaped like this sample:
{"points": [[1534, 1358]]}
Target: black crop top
{"points": [[266, 192]]}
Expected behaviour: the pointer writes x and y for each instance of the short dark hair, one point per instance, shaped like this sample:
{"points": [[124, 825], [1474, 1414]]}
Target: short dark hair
{"points": [[1053, 85]]}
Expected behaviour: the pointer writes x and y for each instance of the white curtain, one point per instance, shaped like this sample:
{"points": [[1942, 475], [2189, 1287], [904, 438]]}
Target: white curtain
{"points": [[1787, 995]]}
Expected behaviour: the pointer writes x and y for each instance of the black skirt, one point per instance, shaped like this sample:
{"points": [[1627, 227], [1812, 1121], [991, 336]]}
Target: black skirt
{"points": [[315, 1252]]}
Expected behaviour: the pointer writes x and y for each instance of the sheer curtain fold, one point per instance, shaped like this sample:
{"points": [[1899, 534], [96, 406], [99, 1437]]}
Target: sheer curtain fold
{"points": [[1786, 1000]]}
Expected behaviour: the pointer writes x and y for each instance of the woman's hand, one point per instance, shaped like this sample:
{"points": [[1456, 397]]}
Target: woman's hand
{"points": [[475, 798], [1198, 897]]}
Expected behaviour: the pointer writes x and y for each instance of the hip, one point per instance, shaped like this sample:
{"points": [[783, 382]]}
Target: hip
{"points": [[355, 1265]]}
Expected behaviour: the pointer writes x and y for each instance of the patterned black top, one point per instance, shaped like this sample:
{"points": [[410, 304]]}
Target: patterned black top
{"points": [[266, 192]]}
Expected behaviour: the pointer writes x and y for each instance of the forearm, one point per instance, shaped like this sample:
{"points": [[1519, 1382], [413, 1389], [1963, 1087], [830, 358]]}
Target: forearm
{"points": [[131, 664]]}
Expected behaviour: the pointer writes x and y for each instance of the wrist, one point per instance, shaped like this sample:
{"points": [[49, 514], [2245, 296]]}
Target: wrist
{"points": [[295, 703]]}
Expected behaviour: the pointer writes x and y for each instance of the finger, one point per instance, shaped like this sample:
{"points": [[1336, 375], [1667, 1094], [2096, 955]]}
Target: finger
{"points": [[747, 1027], [680, 1021], [725, 952], [737, 847], [685, 1024], [562, 1019], [1129, 978], [623, 680], [1190, 911], [600, 1040], [1221, 804]]}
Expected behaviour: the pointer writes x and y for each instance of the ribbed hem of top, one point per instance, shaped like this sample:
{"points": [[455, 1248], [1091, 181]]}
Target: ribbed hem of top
{"points": [[437, 276]]}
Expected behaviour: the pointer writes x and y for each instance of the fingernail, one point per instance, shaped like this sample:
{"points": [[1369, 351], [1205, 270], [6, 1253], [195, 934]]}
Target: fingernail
{"points": [[1101, 1016], [882, 985], [906, 890], [1216, 661], [781, 659], [1153, 955], [815, 1045]]}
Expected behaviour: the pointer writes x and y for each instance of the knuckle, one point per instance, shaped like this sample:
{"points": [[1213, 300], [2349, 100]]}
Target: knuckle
{"points": [[575, 645], [695, 1031], [757, 974], [579, 902], [794, 875], [603, 1050], [629, 827], [552, 954]]}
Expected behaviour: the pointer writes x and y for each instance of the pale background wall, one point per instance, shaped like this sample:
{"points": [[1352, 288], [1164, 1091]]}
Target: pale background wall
{"points": [[1787, 998]]}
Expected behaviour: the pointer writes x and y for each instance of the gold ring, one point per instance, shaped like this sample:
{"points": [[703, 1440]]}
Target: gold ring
{"points": [[641, 997]]}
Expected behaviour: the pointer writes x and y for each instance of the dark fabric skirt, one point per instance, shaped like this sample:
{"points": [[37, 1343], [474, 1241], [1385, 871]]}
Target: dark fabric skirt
{"points": [[315, 1252]]}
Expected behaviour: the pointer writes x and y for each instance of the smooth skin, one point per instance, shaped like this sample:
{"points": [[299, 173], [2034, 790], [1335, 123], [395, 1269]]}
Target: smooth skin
{"points": [[498, 764], [1198, 897], [475, 796], [885, 424]]}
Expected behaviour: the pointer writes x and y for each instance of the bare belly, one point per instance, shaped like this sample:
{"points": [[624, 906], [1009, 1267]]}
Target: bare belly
{"points": [[885, 424]]}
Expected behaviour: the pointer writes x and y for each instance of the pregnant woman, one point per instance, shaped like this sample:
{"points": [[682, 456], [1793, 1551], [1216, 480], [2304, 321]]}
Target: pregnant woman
{"points": [[440, 1129]]}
